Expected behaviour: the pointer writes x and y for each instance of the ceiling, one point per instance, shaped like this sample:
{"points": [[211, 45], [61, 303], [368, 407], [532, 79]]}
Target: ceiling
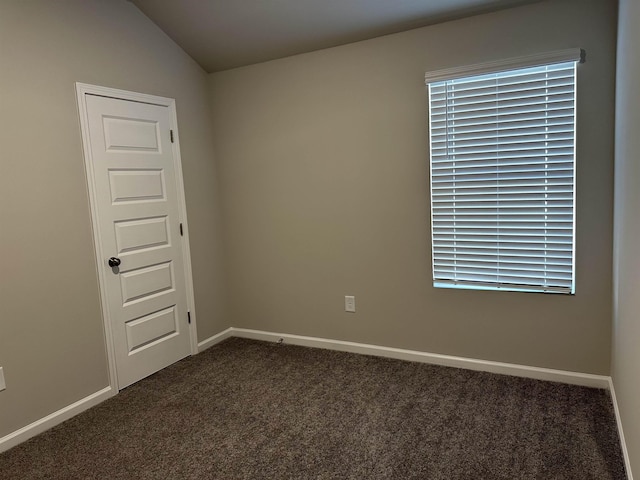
{"points": [[223, 34]]}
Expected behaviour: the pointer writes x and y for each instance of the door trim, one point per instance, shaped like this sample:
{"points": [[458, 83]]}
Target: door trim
{"points": [[82, 90]]}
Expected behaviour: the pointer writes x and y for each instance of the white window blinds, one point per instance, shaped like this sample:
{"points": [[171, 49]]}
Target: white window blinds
{"points": [[502, 179]]}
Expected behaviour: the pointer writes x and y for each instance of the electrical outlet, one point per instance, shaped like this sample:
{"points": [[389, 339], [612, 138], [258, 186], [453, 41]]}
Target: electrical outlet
{"points": [[2, 384], [349, 303]]}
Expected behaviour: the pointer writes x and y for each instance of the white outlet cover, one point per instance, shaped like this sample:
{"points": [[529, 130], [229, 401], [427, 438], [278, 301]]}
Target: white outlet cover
{"points": [[2, 384], [349, 303]]}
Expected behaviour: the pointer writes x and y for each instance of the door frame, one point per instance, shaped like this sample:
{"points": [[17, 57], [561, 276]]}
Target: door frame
{"points": [[82, 90]]}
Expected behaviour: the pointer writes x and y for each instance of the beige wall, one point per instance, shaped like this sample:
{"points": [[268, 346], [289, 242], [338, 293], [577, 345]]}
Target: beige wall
{"points": [[324, 175], [626, 317], [51, 333]]}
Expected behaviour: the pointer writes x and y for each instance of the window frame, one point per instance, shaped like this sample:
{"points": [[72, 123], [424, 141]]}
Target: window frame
{"points": [[575, 55]]}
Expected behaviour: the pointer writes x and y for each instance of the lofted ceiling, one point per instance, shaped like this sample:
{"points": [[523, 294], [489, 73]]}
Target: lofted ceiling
{"points": [[223, 34]]}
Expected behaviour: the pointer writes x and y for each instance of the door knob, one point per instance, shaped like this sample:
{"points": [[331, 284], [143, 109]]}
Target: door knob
{"points": [[114, 262]]}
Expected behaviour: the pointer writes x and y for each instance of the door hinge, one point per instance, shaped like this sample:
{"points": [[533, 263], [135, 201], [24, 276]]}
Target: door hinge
{"points": [[189, 317], [181, 231], [171, 135]]}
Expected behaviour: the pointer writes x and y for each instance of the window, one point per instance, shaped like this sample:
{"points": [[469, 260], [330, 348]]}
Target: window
{"points": [[502, 141]]}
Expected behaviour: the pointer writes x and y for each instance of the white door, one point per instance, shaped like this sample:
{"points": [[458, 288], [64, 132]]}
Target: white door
{"points": [[139, 229]]}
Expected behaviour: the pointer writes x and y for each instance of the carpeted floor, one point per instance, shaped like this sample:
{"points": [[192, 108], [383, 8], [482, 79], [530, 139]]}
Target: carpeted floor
{"points": [[254, 410]]}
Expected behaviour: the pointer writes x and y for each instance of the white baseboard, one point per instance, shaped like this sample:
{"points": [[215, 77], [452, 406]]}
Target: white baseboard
{"points": [[54, 419], [538, 373], [623, 443], [217, 338]]}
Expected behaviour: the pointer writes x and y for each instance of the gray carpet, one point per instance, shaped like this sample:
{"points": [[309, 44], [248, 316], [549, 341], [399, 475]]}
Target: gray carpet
{"points": [[254, 410]]}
